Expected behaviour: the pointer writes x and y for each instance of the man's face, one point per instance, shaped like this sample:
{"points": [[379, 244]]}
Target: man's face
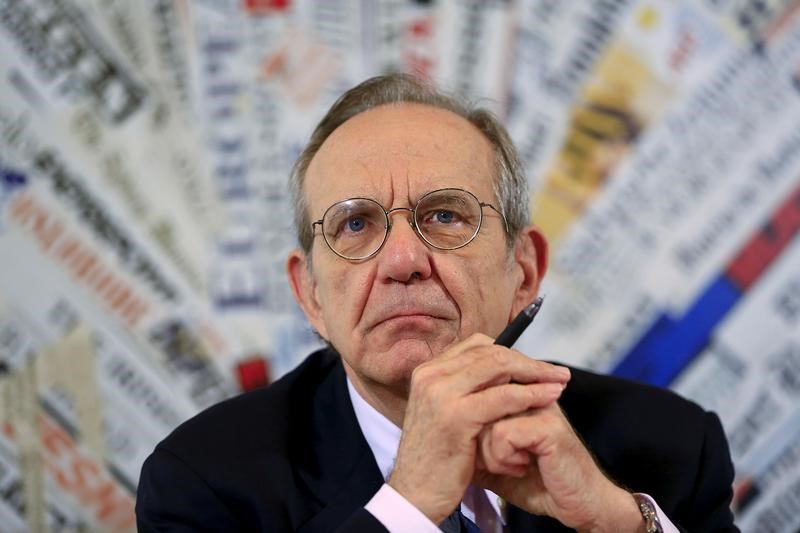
{"points": [[387, 314]]}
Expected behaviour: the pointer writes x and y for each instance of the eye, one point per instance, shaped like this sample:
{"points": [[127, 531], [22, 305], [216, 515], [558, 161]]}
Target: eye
{"points": [[444, 217], [441, 217], [351, 219], [356, 224]]}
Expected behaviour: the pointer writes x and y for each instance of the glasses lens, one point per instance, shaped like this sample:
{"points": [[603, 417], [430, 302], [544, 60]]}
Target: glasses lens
{"points": [[448, 218], [354, 228]]}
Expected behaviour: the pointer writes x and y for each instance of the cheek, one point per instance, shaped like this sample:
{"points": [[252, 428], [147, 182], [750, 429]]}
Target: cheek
{"points": [[489, 292], [463, 280], [342, 293]]}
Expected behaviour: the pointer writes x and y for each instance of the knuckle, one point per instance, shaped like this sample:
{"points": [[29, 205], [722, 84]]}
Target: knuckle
{"points": [[423, 376], [504, 394], [529, 394], [480, 337], [501, 433], [499, 359], [535, 395], [525, 396], [422, 386], [551, 419]]}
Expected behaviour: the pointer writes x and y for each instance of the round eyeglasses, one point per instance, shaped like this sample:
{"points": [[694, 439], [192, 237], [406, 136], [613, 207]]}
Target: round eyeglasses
{"points": [[447, 219]]}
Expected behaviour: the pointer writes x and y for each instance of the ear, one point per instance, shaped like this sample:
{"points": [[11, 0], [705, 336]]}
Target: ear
{"points": [[530, 258], [304, 289]]}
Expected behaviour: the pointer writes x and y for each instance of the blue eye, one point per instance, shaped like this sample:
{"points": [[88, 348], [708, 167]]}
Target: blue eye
{"points": [[444, 217], [355, 224]]}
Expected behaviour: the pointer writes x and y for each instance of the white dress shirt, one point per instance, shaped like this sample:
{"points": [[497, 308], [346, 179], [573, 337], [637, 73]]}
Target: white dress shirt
{"points": [[396, 513]]}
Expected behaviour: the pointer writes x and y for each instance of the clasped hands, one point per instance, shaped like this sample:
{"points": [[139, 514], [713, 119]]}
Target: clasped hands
{"points": [[488, 415]]}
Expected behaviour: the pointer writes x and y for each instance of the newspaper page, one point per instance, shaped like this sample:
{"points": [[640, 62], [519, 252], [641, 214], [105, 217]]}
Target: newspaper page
{"points": [[145, 216]]}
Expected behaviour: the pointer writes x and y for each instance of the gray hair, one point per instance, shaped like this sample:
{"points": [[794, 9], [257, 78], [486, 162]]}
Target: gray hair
{"points": [[510, 187]]}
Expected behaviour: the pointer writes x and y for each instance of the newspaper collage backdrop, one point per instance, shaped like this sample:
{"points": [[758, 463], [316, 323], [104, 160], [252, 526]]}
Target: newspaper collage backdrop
{"points": [[144, 215]]}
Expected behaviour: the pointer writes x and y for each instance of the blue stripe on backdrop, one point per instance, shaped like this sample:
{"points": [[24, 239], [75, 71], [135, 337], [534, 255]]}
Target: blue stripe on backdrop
{"points": [[670, 345]]}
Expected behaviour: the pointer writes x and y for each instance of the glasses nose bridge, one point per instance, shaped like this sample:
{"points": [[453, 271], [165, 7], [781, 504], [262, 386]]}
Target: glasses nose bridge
{"points": [[411, 219]]}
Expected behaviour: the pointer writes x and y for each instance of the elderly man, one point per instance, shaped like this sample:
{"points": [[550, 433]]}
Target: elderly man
{"points": [[415, 254]]}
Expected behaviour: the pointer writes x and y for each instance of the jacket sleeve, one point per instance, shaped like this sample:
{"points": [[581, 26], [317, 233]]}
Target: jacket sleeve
{"points": [[362, 521], [709, 507], [172, 497]]}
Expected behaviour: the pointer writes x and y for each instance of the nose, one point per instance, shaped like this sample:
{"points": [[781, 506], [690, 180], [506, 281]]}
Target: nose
{"points": [[404, 255]]}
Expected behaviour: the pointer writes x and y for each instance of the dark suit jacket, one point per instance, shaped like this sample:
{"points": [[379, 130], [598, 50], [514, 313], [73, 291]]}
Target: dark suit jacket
{"points": [[291, 457]]}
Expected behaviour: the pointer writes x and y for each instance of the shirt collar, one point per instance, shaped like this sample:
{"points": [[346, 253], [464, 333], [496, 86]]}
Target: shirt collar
{"points": [[381, 434]]}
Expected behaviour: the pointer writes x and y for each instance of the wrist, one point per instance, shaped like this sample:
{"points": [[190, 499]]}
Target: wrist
{"points": [[620, 513], [425, 505]]}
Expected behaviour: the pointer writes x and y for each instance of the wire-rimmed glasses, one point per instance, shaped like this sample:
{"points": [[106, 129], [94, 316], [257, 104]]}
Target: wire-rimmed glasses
{"points": [[447, 219]]}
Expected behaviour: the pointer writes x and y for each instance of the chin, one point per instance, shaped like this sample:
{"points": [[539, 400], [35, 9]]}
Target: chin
{"points": [[395, 365]]}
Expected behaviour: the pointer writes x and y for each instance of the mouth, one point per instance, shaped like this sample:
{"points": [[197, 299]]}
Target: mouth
{"points": [[409, 319], [411, 311]]}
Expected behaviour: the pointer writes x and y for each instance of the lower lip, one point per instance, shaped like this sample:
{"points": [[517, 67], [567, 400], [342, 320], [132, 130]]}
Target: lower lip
{"points": [[410, 320]]}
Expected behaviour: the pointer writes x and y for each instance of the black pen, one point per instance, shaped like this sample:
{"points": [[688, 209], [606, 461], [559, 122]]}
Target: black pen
{"points": [[512, 332]]}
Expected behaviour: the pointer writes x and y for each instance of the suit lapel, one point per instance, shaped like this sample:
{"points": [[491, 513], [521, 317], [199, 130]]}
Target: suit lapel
{"points": [[336, 463]]}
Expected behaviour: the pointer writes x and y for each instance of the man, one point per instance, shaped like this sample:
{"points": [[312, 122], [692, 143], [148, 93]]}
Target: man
{"points": [[415, 254]]}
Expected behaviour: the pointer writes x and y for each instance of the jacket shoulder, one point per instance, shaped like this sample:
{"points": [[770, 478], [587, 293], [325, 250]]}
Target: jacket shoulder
{"points": [[233, 466], [596, 403], [262, 420]]}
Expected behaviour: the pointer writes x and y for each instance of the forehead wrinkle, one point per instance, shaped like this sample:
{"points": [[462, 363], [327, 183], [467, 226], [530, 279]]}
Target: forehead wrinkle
{"points": [[377, 162], [416, 186]]}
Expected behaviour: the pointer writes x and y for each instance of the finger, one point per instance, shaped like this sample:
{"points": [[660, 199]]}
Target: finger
{"points": [[534, 432], [483, 366], [496, 452], [496, 403], [513, 465], [497, 457], [541, 372], [513, 366], [457, 351], [473, 341]]}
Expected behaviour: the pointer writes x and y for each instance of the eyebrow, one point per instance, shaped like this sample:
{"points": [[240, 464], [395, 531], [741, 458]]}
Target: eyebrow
{"points": [[412, 201]]}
